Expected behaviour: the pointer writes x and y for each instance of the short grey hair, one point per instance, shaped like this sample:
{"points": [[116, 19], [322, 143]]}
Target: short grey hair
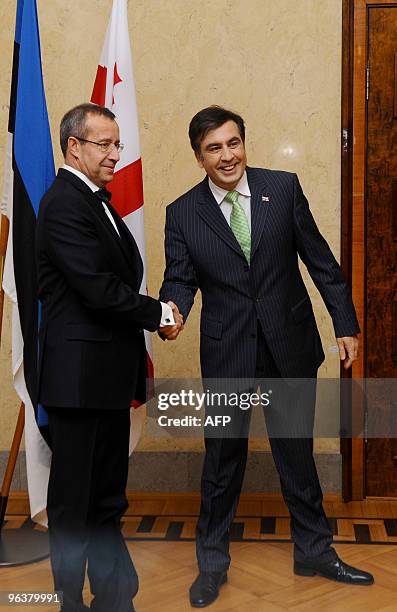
{"points": [[74, 122]]}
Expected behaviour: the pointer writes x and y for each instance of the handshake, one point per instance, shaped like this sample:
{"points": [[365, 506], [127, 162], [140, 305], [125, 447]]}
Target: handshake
{"points": [[171, 332]]}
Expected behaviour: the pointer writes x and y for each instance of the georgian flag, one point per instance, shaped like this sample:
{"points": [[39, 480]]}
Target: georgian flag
{"points": [[114, 88]]}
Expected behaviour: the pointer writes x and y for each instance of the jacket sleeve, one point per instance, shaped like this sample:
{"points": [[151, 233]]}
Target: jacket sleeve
{"points": [[180, 282], [71, 241], [323, 267]]}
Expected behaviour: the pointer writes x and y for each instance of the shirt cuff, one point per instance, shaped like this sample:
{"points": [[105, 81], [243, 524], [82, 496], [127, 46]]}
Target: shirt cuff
{"points": [[167, 316]]}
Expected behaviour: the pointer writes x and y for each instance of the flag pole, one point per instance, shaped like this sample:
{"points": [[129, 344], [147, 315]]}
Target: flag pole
{"points": [[12, 458], [17, 546]]}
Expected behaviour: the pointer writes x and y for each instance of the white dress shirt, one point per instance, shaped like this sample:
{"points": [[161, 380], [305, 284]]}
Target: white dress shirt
{"points": [[93, 188], [244, 198], [167, 316]]}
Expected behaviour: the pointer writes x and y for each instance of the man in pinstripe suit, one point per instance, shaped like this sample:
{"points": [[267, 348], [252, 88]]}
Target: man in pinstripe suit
{"points": [[237, 236]]}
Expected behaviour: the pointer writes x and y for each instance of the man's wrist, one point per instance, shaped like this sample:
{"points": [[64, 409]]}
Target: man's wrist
{"points": [[167, 316]]}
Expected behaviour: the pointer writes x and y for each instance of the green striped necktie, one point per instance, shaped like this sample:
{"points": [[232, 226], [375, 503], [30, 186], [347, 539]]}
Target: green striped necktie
{"points": [[239, 224]]}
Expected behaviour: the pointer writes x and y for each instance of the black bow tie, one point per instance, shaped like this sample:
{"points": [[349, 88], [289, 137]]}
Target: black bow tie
{"points": [[103, 194]]}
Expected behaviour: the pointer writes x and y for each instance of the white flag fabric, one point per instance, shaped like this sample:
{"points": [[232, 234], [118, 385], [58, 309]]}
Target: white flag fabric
{"points": [[114, 88]]}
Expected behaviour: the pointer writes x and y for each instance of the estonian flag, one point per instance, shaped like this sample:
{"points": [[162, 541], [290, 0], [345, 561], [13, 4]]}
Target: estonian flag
{"points": [[28, 174]]}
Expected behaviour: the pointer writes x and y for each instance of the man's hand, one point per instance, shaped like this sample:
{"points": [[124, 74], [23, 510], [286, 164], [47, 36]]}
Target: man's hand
{"points": [[348, 350], [171, 332]]}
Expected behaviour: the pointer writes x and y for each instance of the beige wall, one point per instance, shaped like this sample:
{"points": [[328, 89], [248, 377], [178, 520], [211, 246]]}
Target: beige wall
{"points": [[277, 63]]}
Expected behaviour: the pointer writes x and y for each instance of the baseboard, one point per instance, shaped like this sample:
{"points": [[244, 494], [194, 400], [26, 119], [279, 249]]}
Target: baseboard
{"points": [[180, 472], [18, 501]]}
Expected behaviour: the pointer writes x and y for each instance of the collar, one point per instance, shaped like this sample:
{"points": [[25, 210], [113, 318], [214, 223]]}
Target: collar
{"points": [[219, 194], [82, 177]]}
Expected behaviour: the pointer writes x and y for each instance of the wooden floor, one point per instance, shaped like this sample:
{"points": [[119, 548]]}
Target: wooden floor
{"points": [[260, 578]]}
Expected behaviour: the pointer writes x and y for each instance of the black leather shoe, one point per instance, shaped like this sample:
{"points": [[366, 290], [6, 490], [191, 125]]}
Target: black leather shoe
{"points": [[334, 570], [132, 609], [205, 589]]}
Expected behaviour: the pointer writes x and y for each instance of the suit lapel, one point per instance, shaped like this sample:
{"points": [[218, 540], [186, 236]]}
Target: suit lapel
{"points": [[260, 205], [209, 210], [126, 244], [127, 241]]}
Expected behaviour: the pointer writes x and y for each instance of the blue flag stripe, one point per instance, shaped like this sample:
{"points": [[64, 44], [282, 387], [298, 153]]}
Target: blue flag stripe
{"points": [[32, 139], [18, 21]]}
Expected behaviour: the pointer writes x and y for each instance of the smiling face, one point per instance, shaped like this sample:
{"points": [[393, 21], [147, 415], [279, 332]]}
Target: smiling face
{"points": [[222, 155], [87, 157]]}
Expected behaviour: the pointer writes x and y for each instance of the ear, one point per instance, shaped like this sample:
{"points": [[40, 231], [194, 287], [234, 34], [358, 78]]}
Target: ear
{"points": [[73, 147], [199, 158]]}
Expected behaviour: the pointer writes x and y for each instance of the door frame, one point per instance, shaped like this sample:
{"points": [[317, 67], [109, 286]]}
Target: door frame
{"points": [[353, 225]]}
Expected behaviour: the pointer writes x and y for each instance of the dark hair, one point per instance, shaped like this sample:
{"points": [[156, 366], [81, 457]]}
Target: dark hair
{"points": [[211, 118], [74, 122]]}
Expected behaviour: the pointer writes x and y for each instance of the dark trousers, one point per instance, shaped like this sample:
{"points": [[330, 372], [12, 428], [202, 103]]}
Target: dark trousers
{"points": [[289, 421], [86, 500]]}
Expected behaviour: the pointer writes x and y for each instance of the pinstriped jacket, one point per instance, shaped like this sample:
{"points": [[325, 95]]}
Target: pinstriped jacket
{"points": [[203, 253]]}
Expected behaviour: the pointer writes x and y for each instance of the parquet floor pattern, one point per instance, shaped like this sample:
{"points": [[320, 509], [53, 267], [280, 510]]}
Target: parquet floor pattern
{"points": [[261, 577]]}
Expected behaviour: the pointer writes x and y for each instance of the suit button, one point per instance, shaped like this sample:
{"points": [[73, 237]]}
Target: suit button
{"points": [[246, 268]]}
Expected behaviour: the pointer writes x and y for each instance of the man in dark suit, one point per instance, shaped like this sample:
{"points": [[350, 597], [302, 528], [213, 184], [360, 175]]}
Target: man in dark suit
{"points": [[92, 361], [237, 236]]}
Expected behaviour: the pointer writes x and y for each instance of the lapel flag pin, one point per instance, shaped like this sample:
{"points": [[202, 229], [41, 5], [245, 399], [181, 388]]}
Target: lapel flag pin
{"points": [[265, 199]]}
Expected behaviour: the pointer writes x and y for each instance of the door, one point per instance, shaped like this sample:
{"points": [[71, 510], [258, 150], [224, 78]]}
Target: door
{"points": [[381, 245]]}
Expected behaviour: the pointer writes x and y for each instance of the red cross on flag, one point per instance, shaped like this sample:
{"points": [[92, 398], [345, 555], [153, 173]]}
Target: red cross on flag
{"points": [[114, 88]]}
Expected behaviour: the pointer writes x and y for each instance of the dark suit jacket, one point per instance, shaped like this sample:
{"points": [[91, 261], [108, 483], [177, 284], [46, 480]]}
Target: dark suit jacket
{"points": [[92, 350], [202, 252]]}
